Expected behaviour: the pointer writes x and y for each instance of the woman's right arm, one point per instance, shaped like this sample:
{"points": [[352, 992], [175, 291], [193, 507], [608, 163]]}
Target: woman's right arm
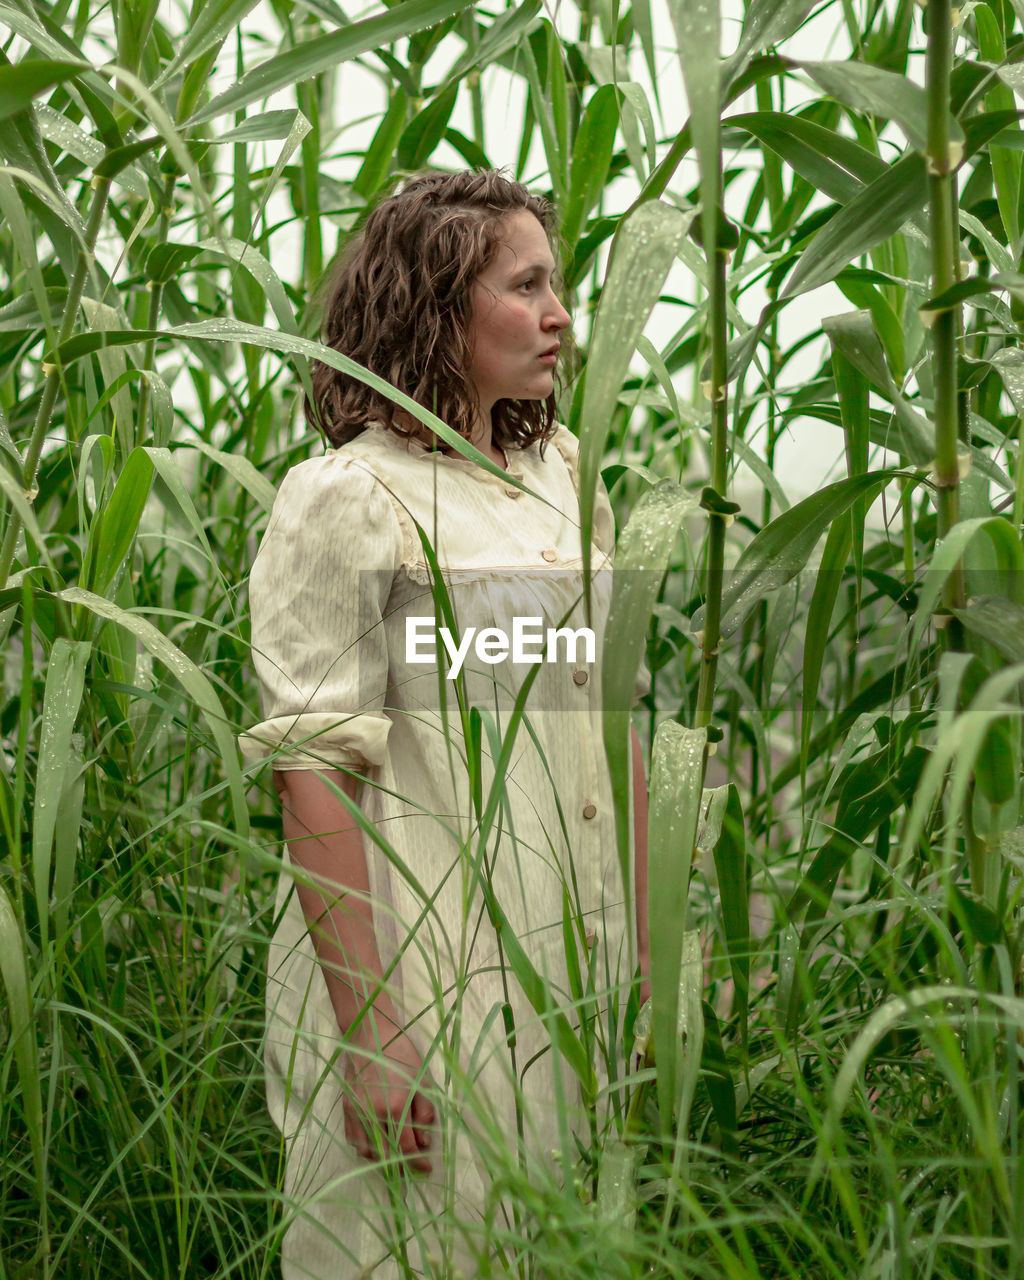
{"points": [[326, 844]]}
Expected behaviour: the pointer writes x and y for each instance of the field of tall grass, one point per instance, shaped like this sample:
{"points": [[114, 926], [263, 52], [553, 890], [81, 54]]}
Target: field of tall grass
{"points": [[833, 1086]]}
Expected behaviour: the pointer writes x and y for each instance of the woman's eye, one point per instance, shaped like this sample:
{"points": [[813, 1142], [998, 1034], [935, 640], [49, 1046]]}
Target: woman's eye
{"points": [[527, 284]]}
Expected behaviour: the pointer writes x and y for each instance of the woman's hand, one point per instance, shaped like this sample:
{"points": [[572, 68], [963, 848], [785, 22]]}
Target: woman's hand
{"points": [[381, 1096]]}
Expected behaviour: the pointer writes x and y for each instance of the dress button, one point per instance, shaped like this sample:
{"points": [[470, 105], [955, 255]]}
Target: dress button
{"points": [[590, 810], [513, 493], [549, 555], [580, 676]]}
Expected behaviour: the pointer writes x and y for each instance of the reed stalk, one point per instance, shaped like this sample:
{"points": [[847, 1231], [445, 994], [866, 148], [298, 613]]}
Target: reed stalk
{"points": [[942, 163], [714, 574]]}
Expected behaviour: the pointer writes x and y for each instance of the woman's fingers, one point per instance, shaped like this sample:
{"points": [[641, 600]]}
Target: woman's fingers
{"points": [[361, 1123], [409, 1146], [422, 1118], [355, 1130]]}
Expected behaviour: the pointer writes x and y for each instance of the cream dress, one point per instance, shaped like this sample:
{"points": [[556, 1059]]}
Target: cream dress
{"points": [[340, 570]]}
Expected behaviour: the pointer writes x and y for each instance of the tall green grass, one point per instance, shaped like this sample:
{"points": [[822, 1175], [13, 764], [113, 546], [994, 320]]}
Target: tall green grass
{"points": [[837, 1014]]}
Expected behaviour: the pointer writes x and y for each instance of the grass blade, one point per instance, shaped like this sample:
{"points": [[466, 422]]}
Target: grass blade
{"points": [[645, 247], [677, 773], [62, 699], [872, 216], [313, 57]]}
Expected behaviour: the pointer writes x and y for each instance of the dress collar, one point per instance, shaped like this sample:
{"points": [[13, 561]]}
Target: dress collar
{"points": [[419, 449]]}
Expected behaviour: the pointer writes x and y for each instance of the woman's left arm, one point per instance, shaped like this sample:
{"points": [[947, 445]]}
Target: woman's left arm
{"points": [[643, 941]]}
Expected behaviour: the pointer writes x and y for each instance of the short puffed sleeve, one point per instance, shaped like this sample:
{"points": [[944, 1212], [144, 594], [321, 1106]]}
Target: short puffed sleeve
{"points": [[603, 532], [318, 591]]}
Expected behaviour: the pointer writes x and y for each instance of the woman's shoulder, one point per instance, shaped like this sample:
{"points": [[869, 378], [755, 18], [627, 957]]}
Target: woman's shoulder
{"points": [[357, 463], [565, 445], [561, 452], [339, 484]]}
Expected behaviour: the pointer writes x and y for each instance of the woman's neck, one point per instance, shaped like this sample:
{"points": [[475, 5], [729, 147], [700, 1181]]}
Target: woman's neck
{"points": [[482, 438]]}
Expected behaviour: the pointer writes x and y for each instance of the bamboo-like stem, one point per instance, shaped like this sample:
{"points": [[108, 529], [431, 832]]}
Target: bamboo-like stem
{"points": [[101, 190], [715, 569], [945, 257]]}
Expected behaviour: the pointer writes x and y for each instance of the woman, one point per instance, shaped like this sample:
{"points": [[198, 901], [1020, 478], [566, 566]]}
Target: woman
{"points": [[452, 957]]}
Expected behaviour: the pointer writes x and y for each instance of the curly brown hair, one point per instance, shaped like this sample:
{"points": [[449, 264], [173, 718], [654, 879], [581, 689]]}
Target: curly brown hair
{"points": [[400, 305]]}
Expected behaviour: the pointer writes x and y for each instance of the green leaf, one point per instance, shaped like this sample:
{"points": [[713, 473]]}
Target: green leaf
{"points": [[118, 522], [730, 853], [20, 83], [782, 548], [858, 286], [827, 582], [642, 556], [853, 334], [872, 216], [252, 261], [14, 971], [977, 916], [380, 154], [767, 22], [718, 1080], [62, 698], [833, 164], [213, 21], [862, 86], [644, 249], [643, 24], [313, 57], [426, 129], [591, 156], [616, 1183], [118, 159], [1006, 164], [698, 40], [997, 620], [947, 555], [21, 144], [873, 789], [192, 680], [677, 774], [169, 471], [955, 295], [241, 470], [65, 838], [166, 260], [852, 391], [268, 126], [64, 133], [503, 34], [22, 313], [474, 157]]}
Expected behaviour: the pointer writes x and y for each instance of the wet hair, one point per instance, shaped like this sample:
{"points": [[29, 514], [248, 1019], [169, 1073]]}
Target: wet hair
{"points": [[400, 304]]}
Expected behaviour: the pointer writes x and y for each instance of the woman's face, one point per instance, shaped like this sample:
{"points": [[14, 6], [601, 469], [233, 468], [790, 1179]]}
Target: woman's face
{"points": [[516, 318]]}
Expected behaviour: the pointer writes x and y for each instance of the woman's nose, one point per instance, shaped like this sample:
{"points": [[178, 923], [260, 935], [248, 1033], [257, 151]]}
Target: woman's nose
{"points": [[558, 317]]}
